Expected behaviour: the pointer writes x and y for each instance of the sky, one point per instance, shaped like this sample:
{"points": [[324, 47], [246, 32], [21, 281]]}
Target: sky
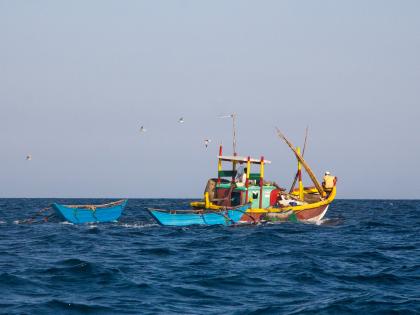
{"points": [[79, 78]]}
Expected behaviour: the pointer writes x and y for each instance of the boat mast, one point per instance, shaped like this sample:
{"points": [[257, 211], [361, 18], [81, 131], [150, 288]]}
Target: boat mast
{"points": [[234, 133], [304, 164], [219, 165], [261, 180], [233, 116], [248, 173], [303, 154], [299, 173]]}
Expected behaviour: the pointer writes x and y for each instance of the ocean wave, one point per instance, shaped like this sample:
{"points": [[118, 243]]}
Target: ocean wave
{"points": [[355, 261], [140, 225]]}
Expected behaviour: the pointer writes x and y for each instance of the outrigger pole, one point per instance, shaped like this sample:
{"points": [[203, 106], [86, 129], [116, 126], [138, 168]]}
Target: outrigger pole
{"points": [[305, 165]]}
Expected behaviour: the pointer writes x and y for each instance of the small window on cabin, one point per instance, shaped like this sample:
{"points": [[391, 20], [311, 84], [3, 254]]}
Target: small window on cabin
{"points": [[254, 195]]}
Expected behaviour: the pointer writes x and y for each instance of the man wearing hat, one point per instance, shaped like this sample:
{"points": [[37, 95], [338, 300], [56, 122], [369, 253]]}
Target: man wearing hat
{"points": [[329, 181]]}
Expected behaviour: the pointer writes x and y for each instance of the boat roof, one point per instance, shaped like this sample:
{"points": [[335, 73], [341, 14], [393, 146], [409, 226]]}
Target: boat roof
{"points": [[238, 158]]}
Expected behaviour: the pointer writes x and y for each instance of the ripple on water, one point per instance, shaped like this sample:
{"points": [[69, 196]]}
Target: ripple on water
{"points": [[58, 305]]}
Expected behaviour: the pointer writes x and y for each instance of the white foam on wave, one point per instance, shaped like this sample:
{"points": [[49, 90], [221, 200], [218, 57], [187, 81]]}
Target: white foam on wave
{"points": [[329, 221], [66, 223], [138, 225], [2, 222], [317, 222]]}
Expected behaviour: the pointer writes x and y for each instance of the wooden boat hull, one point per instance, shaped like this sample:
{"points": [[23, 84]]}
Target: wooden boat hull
{"points": [[90, 214], [198, 217], [312, 213]]}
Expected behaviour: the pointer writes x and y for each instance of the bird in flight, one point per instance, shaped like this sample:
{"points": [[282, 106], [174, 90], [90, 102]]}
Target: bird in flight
{"points": [[181, 120], [28, 157], [142, 129], [227, 116], [207, 142]]}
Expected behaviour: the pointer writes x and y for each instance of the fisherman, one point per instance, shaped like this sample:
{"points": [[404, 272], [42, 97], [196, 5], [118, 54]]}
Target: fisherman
{"points": [[241, 177], [328, 181]]}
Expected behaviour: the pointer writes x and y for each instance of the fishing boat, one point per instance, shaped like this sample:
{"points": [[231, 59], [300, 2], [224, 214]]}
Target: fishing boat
{"points": [[108, 212], [220, 216], [269, 201]]}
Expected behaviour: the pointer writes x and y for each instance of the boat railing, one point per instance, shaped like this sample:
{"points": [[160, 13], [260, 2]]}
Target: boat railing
{"points": [[105, 205]]}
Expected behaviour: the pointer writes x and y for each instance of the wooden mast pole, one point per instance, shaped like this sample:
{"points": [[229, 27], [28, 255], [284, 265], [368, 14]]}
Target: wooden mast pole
{"points": [[305, 165], [234, 146], [248, 172], [261, 180], [233, 172], [219, 164], [299, 172], [234, 133], [303, 154]]}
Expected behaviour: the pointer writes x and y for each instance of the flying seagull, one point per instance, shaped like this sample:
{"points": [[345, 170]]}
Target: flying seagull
{"points": [[181, 120], [28, 157], [207, 142], [226, 116], [142, 129]]}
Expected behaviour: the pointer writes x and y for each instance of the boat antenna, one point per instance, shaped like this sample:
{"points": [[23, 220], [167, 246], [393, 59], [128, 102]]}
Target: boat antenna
{"points": [[306, 140], [303, 154], [233, 116], [234, 132]]}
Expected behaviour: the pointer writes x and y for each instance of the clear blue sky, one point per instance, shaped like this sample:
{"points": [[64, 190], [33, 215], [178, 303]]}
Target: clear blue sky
{"points": [[79, 78]]}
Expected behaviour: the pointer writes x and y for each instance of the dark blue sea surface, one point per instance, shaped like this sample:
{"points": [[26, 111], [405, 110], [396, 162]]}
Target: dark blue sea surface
{"points": [[364, 258]]}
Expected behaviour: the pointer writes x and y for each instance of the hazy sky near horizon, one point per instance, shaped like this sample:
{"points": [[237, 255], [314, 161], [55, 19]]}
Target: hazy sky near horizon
{"points": [[79, 78]]}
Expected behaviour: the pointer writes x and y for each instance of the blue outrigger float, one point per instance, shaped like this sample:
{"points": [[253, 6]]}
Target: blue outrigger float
{"points": [[226, 216], [90, 213]]}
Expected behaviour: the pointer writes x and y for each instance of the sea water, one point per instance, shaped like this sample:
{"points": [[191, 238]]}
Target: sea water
{"points": [[363, 258]]}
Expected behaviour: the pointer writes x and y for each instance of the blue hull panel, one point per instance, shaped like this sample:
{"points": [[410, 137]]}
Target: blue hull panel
{"points": [[226, 217], [81, 215]]}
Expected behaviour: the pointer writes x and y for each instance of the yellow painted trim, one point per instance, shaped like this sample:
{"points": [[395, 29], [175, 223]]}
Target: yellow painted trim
{"points": [[202, 205], [262, 170], [206, 200], [298, 208], [331, 197], [307, 191], [301, 192]]}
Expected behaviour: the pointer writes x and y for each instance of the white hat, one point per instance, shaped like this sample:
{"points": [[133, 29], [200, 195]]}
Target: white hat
{"points": [[327, 173]]}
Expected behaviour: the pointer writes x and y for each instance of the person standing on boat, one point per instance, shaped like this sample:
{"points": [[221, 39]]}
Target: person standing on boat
{"points": [[328, 181], [241, 177]]}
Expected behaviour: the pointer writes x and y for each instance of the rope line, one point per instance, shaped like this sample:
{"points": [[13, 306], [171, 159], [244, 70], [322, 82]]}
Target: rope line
{"points": [[94, 207], [39, 213]]}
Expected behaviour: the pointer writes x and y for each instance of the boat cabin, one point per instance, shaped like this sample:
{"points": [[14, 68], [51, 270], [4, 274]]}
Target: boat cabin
{"points": [[240, 184]]}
